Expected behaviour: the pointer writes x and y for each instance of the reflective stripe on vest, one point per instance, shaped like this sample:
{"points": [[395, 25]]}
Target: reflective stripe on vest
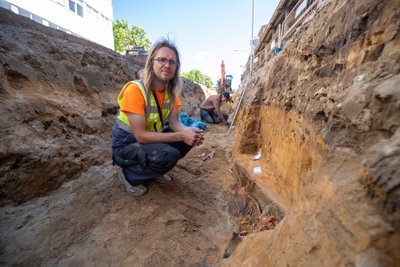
{"points": [[153, 122]]}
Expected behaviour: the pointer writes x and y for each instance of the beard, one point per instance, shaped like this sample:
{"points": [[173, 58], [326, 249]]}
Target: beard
{"points": [[163, 77]]}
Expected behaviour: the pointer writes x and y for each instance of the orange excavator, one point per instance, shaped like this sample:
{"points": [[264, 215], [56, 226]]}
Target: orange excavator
{"points": [[225, 83]]}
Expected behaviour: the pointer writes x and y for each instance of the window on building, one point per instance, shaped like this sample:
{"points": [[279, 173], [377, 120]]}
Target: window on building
{"points": [[37, 18], [61, 28], [14, 9], [79, 10], [24, 13], [5, 5], [76, 7], [52, 25], [72, 6]]}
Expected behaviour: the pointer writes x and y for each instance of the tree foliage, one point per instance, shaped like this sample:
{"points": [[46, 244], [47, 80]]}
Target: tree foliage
{"points": [[198, 77], [125, 37]]}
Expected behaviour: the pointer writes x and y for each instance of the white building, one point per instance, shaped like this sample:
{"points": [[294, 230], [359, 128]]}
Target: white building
{"points": [[89, 19]]}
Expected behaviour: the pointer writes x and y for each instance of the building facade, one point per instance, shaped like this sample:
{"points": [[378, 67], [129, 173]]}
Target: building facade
{"points": [[89, 19]]}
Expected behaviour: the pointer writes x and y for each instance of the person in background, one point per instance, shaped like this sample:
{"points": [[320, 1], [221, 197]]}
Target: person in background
{"points": [[210, 109], [147, 137]]}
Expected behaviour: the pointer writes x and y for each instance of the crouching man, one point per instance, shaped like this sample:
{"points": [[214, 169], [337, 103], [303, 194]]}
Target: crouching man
{"points": [[210, 109], [147, 137]]}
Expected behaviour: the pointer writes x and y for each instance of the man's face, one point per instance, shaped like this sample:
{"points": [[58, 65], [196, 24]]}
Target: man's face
{"points": [[164, 64]]}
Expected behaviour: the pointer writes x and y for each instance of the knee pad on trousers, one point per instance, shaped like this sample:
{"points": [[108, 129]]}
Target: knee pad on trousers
{"points": [[147, 158], [162, 158], [130, 155]]}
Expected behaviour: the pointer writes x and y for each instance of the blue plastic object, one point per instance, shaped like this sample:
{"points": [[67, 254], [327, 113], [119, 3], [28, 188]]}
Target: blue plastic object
{"points": [[187, 121], [277, 50]]}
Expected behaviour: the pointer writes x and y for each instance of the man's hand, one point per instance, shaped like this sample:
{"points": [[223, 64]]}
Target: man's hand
{"points": [[193, 136]]}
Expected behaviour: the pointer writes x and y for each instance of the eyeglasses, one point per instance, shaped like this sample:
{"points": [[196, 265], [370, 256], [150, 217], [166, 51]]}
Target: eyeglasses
{"points": [[163, 61]]}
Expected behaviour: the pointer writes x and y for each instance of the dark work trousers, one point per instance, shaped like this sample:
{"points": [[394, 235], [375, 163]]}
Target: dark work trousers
{"points": [[141, 162], [209, 116]]}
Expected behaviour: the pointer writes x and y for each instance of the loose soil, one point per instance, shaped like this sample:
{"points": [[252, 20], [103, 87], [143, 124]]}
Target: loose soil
{"points": [[93, 220]]}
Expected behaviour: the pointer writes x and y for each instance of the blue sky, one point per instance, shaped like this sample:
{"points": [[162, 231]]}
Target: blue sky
{"points": [[205, 31]]}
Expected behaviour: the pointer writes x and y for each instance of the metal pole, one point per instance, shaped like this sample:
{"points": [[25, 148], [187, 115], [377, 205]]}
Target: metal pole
{"points": [[251, 68], [252, 20], [237, 109], [251, 37]]}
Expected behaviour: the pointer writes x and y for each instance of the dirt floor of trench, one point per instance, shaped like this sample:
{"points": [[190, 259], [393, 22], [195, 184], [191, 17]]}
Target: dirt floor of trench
{"points": [[93, 220]]}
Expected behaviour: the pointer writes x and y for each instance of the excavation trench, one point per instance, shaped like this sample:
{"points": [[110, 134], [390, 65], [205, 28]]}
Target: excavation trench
{"points": [[308, 176], [198, 219], [224, 194]]}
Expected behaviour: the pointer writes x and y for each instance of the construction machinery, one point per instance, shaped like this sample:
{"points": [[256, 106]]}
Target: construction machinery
{"points": [[228, 83], [225, 83]]}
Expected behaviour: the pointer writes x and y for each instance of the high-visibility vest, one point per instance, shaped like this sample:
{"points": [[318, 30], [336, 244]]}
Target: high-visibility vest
{"points": [[153, 121]]}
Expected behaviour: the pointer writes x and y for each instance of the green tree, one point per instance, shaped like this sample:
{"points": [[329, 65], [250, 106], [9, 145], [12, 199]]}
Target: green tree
{"points": [[124, 36], [197, 76]]}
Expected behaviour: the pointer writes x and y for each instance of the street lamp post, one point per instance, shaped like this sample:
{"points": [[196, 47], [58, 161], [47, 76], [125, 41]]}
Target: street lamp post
{"points": [[252, 35], [251, 66]]}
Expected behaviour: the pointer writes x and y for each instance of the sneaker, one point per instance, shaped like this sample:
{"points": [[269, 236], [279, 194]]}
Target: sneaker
{"points": [[136, 190], [164, 179]]}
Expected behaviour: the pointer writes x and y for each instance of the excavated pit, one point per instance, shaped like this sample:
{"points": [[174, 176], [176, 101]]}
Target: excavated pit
{"points": [[251, 209], [308, 177], [289, 152]]}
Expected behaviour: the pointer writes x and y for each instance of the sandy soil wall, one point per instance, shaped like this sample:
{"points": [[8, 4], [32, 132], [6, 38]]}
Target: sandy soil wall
{"points": [[325, 115]]}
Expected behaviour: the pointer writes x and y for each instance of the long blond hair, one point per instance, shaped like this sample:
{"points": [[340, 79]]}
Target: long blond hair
{"points": [[174, 85]]}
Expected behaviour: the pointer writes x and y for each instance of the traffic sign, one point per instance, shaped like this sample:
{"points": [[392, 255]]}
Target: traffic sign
{"points": [[254, 41]]}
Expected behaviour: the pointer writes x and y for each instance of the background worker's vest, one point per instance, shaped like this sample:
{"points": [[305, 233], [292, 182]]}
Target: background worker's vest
{"points": [[153, 120]]}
